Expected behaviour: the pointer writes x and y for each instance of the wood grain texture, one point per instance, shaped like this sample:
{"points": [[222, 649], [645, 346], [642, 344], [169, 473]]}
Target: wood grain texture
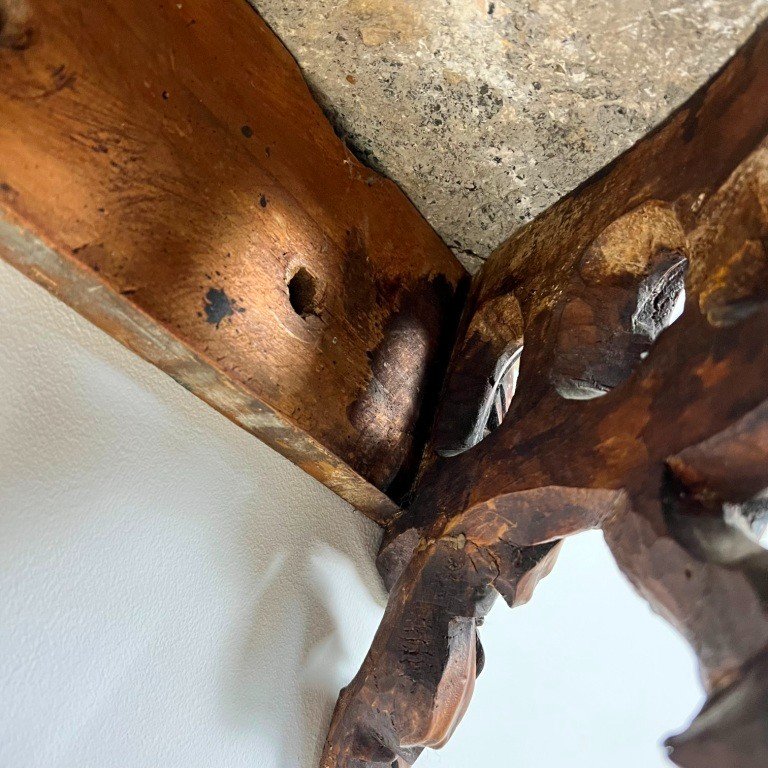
{"points": [[166, 172], [652, 428]]}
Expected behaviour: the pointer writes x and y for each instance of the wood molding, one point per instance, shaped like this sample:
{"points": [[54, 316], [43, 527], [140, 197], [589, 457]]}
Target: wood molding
{"points": [[167, 173]]}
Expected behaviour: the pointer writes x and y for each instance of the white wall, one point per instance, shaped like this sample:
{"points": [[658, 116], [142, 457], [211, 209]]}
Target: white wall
{"points": [[175, 594]]}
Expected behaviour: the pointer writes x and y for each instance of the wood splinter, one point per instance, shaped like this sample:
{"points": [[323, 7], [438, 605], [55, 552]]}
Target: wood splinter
{"points": [[652, 428]]}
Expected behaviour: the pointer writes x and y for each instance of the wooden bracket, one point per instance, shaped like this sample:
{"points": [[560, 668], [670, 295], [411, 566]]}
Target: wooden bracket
{"points": [[653, 428], [166, 172]]}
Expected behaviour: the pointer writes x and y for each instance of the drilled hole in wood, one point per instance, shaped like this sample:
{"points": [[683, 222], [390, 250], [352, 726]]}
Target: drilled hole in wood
{"points": [[303, 293]]}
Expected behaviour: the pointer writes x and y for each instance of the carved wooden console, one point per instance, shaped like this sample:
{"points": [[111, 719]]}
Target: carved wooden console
{"points": [[654, 429], [166, 172]]}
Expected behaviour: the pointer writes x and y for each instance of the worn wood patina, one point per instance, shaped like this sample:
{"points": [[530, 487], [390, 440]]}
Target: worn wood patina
{"points": [[166, 172], [652, 428]]}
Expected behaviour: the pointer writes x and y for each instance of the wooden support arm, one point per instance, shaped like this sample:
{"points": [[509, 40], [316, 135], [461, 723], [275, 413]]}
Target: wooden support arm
{"points": [[654, 429]]}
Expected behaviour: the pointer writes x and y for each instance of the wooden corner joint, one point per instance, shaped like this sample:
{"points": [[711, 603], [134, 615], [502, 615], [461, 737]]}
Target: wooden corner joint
{"points": [[641, 304]]}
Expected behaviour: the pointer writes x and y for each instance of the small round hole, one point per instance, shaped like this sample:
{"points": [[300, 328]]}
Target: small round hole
{"points": [[303, 293]]}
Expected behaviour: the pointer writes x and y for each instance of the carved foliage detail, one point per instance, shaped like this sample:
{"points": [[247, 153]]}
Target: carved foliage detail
{"points": [[626, 418]]}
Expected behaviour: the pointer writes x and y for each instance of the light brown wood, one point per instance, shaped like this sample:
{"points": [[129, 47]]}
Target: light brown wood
{"points": [[166, 172]]}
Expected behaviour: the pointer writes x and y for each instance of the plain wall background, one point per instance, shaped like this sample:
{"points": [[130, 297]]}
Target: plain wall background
{"points": [[173, 593]]}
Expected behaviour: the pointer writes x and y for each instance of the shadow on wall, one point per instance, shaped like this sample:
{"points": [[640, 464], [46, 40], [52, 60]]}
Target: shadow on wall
{"points": [[174, 592], [292, 653]]}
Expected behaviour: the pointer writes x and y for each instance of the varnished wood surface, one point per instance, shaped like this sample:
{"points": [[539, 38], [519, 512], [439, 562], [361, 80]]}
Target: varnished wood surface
{"points": [[166, 172], [654, 431]]}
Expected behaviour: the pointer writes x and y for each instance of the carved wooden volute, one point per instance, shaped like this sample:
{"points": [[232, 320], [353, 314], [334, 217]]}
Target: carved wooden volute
{"points": [[642, 409]]}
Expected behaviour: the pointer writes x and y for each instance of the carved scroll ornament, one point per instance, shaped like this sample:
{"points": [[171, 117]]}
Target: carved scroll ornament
{"points": [[628, 418]]}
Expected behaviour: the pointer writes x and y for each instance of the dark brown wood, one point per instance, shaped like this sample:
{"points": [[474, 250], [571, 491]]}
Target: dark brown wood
{"points": [[166, 172], [653, 430]]}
